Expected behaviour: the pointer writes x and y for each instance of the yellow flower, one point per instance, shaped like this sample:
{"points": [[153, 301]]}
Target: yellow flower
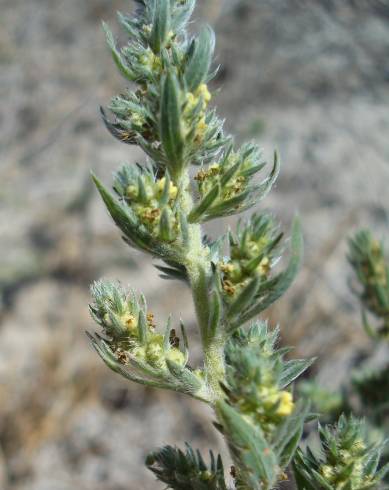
{"points": [[137, 119], [139, 353], [286, 404], [283, 399], [128, 320], [154, 354], [176, 356], [150, 60], [264, 266], [200, 129], [132, 191], [327, 471], [203, 91], [191, 101], [172, 188], [147, 28], [150, 214]]}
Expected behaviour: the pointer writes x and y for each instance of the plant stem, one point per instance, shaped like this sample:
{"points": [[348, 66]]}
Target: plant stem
{"points": [[199, 271]]}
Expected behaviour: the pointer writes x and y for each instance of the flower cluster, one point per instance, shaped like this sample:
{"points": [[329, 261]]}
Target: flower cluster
{"points": [[171, 72], [253, 253], [132, 342], [367, 257], [187, 470], [152, 200], [256, 385], [347, 460], [259, 414], [226, 186], [130, 329]]}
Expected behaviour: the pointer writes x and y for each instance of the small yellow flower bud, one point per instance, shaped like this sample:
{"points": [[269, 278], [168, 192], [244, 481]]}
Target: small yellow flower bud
{"points": [[203, 91], [201, 127], [154, 353], [345, 455], [252, 248], [229, 288], [128, 320], [175, 355], [190, 101], [358, 446], [286, 404], [206, 475], [137, 119], [264, 266], [214, 169], [150, 320], [226, 267], [199, 373], [150, 215], [139, 353], [173, 190], [132, 192], [327, 471], [107, 319], [147, 28], [145, 59]]}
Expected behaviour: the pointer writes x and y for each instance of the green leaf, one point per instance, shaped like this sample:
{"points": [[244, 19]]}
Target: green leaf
{"points": [[182, 15], [282, 281], [186, 470], [142, 327], [166, 337], [117, 57], [189, 382], [119, 214], [229, 206], [215, 313], [252, 454], [109, 359], [244, 299], [133, 233], [165, 196], [160, 25], [177, 272], [170, 124], [200, 58], [142, 193], [165, 229], [201, 209], [293, 369], [289, 434]]}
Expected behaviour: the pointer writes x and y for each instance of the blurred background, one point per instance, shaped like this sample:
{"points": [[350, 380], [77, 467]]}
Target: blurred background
{"points": [[310, 78]]}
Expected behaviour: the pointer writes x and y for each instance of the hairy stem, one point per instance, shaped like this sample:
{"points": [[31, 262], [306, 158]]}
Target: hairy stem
{"points": [[199, 271]]}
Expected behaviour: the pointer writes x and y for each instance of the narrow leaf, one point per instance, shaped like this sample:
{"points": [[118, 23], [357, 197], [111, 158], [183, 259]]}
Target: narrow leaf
{"points": [[117, 57], [161, 25], [250, 450], [281, 282], [170, 124], [197, 212], [244, 299], [215, 313], [200, 58], [165, 228], [293, 369]]}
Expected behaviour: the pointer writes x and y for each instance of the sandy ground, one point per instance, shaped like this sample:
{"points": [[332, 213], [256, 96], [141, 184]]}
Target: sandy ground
{"points": [[308, 78]]}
